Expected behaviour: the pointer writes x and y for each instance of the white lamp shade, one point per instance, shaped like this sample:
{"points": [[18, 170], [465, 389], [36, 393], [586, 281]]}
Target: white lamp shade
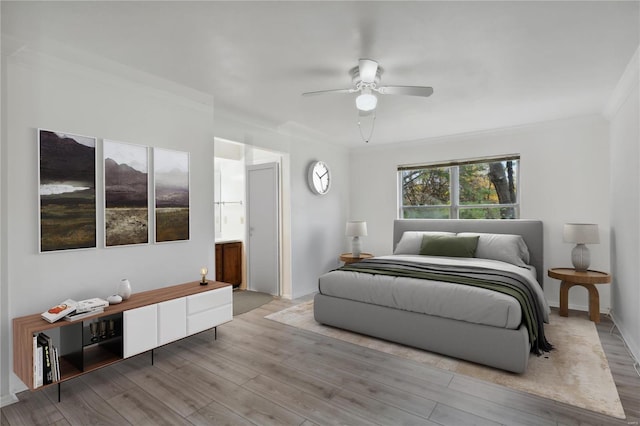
{"points": [[366, 101], [356, 229], [581, 233]]}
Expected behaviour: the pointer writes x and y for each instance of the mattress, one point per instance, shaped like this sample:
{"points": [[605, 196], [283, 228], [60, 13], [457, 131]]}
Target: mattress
{"points": [[448, 300]]}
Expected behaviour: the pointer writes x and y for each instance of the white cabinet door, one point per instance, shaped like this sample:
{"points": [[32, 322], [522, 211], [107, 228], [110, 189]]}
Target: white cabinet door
{"points": [[140, 331], [209, 309], [172, 320]]}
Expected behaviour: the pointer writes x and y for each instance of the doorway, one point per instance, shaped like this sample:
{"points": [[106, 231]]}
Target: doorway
{"points": [[249, 192]]}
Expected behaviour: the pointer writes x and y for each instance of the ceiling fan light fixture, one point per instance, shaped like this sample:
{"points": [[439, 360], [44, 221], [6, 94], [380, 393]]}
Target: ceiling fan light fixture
{"points": [[366, 101]]}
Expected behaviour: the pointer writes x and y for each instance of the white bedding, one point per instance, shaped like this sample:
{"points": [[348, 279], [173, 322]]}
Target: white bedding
{"points": [[438, 298]]}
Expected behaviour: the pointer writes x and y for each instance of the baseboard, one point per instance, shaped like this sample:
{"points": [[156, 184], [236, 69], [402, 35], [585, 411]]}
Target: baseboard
{"points": [[629, 343], [8, 400]]}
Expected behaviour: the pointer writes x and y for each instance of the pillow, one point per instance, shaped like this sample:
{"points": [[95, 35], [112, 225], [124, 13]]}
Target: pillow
{"points": [[449, 245], [412, 240], [504, 247]]}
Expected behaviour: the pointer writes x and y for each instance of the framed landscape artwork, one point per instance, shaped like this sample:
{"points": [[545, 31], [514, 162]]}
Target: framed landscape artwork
{"points": [[126, 193], [67, 191], [171, 176]]}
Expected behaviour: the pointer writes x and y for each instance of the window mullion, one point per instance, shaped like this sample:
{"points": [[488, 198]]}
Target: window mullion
{"points": [[454, 190], [400, 196]]}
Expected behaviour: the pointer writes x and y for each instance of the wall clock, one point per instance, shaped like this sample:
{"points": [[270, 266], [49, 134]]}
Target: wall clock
{"points": [[319, 177]]}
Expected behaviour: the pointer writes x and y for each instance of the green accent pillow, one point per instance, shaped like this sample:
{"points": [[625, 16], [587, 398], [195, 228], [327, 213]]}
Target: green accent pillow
{"points": [[449, 245]]}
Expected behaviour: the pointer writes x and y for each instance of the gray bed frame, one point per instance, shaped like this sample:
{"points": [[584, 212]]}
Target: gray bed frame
{"points": [[501, 348]]}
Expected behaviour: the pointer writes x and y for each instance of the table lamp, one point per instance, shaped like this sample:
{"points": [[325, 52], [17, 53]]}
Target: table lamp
{"points": [[203, 272], [356, 229], [581, 234]]}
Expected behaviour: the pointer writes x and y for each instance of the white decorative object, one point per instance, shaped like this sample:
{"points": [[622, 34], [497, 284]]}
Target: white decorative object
{"points": [[356, 230], [124, 289], [581, 234], [114, 299]]}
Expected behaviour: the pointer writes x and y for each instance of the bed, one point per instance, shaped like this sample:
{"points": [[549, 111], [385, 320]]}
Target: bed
{"points": [[436, 314]]}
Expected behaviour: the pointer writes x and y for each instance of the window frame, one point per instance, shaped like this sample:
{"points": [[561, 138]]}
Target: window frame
{"points": [[454, 205]]}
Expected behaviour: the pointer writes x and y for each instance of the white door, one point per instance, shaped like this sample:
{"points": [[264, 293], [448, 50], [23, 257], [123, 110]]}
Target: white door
{"points": [[263, 223]]}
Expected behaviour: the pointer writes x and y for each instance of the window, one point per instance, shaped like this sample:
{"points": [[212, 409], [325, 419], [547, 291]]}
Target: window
{"points": [[478, 189]]}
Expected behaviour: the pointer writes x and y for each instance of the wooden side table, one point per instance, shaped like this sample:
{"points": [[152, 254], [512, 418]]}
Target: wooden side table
{"points": [[350, 258], [587, 279]]}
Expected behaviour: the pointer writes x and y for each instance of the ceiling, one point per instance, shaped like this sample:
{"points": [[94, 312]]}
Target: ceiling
{"points": [[491, 64]]}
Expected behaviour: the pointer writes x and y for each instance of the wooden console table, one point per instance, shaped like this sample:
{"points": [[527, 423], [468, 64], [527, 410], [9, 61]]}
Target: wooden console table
{"points": [[143, 322]]}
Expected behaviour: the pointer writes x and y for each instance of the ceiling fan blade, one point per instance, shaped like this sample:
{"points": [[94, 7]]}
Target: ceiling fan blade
{"points": [[322, 92], [405, 90], [367, 69]]}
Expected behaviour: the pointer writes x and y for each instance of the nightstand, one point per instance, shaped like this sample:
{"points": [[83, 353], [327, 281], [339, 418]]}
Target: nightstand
{"points": [[587, 279], [350, 258]]}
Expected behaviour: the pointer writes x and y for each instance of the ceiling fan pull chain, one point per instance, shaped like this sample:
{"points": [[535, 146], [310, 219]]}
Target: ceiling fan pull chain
{"points": [[373, 125]]}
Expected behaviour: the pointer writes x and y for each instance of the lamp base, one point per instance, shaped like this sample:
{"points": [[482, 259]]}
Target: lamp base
{"points": [[581, 258], [356, 246], [204, 282]]}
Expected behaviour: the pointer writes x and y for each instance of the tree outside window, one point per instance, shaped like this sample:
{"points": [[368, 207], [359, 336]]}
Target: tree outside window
{"points": [[482, 189]]}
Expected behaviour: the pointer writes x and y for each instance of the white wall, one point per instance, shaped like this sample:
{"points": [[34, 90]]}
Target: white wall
{"points": [[319, 218], [624, 113], [50, 94], [564, 177]]}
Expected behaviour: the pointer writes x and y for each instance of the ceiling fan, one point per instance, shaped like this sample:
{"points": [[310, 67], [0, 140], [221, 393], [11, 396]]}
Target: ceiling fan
{"points": [[366, 79]]}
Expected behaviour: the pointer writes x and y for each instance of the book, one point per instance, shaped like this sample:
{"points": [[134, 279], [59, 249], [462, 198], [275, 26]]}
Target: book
{"points": [[48, 353], [91, 304], [59, 311], [37, 377], [74, 316], [56, 365], [47, 374], [35, 361]]}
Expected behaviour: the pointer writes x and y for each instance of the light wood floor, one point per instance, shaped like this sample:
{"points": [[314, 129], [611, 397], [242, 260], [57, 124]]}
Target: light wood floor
{"points": [[266, 373]]}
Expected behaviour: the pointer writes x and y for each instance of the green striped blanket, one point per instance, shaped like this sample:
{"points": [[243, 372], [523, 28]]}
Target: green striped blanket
{"points": [[505, 282]]}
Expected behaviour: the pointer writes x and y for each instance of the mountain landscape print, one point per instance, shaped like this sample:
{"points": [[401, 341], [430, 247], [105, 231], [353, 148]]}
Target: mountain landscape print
{"points": [[67, 191], [171, 174], [126, 193]]}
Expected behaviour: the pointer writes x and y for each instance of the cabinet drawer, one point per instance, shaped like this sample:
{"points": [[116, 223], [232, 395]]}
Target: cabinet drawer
{"points": [[208, 319], [210, 299]]}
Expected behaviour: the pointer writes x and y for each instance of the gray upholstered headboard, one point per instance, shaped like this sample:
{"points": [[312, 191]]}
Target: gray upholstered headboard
{"points": [[531, 231]]}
